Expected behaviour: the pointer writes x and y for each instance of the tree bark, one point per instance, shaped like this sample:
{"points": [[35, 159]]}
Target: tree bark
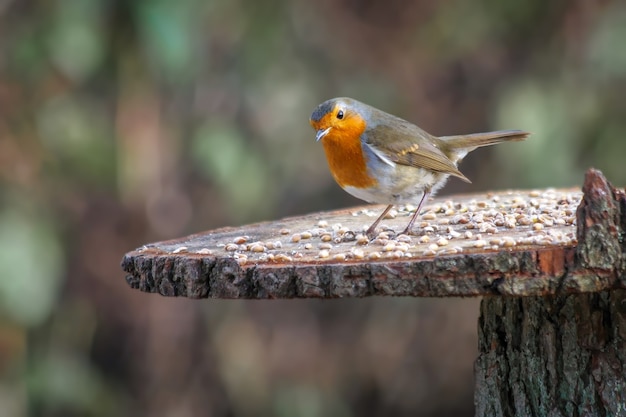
{"points": [[561, 355]]}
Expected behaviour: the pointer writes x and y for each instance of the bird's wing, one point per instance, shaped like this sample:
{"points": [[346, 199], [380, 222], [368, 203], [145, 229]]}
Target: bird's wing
{"points": [[401, 144]]}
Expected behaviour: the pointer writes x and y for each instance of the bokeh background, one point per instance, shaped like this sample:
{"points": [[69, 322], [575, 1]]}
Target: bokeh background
{"points": [[125, 122]]}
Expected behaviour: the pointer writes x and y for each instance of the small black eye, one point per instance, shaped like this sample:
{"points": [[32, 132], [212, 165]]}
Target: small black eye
{"points": [[340, 114]]}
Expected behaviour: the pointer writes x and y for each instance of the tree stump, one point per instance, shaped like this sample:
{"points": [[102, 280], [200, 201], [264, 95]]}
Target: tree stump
{"points": [[549, 263]]}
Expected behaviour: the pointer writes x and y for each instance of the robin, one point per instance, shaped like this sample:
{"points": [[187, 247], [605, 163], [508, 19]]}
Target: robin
{"points": [[383, 159]]}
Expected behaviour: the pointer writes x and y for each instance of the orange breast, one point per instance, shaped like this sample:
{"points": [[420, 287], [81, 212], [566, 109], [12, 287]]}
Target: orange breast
{"points": [[346, 159]]}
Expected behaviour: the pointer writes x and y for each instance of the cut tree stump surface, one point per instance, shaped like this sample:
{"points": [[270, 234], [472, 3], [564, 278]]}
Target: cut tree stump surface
{"points": [[520, 243]]}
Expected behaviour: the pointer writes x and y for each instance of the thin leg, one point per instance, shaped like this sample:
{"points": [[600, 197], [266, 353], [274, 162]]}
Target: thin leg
{"points": [[370, 231], [407, 231]]}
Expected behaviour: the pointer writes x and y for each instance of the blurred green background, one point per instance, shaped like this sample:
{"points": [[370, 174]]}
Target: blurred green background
{"points": [[123, 123]]}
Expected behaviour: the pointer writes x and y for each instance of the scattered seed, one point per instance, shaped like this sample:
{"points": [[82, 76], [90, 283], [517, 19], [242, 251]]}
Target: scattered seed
{"points": [[389, 247], [537, 226], [296, 238], [204, 251], [340, 257], [433, 246], [429, 216], [257, 247], [361, 239], [326, 237], [231, 247], [403, 238], [240, 240], [358, 253], [480, 243], [424, 239], [306, 235], [322, 223], [374, 255], [509, 242], [442, 242], [323, 254], [281, 257], [180, 249], [325, 246]]}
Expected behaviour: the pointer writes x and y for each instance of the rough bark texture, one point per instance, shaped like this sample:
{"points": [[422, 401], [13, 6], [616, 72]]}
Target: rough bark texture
{"points": [[564, 354], [552, 356]]}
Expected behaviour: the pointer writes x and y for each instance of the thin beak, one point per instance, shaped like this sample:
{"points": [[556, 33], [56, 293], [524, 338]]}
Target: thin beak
{"points": [[321, 133]]}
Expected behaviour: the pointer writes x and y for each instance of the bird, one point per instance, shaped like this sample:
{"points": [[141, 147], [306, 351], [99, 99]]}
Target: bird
{"points": [[383, 159]]}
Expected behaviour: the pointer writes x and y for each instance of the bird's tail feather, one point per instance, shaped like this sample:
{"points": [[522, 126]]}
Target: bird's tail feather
{"points": [[476, 140]]}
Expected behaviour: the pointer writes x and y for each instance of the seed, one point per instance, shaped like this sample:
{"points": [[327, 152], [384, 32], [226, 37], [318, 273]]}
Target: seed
{"points": [[534, 193], [325, 246], [480, 243], [460, 219], [468, 235], [284, 231], [204, 251], [322, 223], [537, 226], [429, 216], [403, 238], [296, 238], [374, 255], [389, 247], [424, 239], [402, 247], [442, 242], [429, 252], [383, 235], [392, 214], [240, 239], [509, 242], [433, 246], [231, 247], [306, 235], [257, 247], [454, 234], [326, 237], [342, 231], [358, 253], [323, 254], [428, 229], [281, 257], [362, 239], [340, 257], [180, 249]]}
